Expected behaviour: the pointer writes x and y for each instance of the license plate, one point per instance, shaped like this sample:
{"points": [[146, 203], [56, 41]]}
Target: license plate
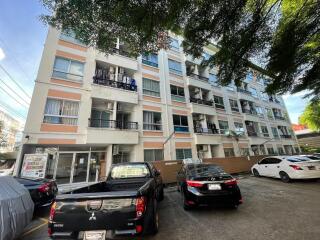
{"points": [[214, 187], [94, 235]]}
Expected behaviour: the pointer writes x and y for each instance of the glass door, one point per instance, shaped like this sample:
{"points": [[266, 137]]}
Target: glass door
{"points": [[80, 167], [95, 166], [64, 167]]}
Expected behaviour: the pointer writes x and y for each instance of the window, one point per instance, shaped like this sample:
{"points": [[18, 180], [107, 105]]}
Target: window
{"points": [[229, 152], [253, 92], [249, 76], [259, 111], [150, 59], [174, 44], [234, 105], [129, 171], [269, 113], [206, 56], [264, 131], [151, 87], [177, 93], [244, 152], [180, 123], [152, 121], [61, 112], [275, 132], [183, 153], [100, 118], [260, 79], [264, 96], [280, 151], [219, 102], [213, 80], [230, 87], [68, 69], [70, 36], [151, 155], [224, 126], [239, 128], [270, 150], [175, 67]]}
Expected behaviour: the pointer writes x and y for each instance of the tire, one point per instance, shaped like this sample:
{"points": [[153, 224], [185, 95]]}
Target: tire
{"points": [[284, 177], [235, 206], [256, 173], [151, 221], [161, 195], [184, 204]]}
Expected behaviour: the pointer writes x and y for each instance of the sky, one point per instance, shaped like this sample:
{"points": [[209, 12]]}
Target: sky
{"points": [[22, 37]]}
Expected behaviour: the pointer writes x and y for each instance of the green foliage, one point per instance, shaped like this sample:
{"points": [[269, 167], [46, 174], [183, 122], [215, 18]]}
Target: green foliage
{"points": [[283, 36], [311, 116], [307, 149]]}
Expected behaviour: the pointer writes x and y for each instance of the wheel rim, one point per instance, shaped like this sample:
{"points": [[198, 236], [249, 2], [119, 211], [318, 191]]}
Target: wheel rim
{"points": [[255, 172], [284, 176]]}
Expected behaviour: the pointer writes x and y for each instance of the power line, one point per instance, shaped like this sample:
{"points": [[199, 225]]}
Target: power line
{"points": [[10, 110], [21, 88], [8, 86], [12, 97]]}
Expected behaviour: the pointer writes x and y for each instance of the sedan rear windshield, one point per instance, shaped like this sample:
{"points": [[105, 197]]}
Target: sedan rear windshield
{"points": [[295, 159], [204, 170], [130, 171]]}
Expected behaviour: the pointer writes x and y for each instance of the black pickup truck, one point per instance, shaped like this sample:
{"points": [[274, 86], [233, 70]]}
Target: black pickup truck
{"points": [[124, 204]]}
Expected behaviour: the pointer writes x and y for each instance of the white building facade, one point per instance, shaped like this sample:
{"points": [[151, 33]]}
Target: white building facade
{"points": [[90, 110]]}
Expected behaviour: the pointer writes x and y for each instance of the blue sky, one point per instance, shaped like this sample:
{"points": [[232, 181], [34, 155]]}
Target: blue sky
{"points": [[22, 38]]}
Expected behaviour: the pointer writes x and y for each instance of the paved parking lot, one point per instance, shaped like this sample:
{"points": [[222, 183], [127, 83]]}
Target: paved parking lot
{"points": [[271, 210]]}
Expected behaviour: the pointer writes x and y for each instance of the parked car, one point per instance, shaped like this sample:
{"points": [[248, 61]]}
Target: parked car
{"points": [[6, 167], [126, 203], [207, 184], [42, 191], [287, 168]]}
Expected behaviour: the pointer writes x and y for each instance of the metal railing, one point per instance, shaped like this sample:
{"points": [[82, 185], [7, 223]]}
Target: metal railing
{"points": [[202, 101], [279, 118], [196, 76], [102, 123], [147, 62], [286, 136], [219, 106], [206, 130], [116, 84], [152, 126], [242, 90]]}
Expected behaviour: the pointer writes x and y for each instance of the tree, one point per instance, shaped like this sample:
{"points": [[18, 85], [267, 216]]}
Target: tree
{"points": [[311, 116], [282, 36]]}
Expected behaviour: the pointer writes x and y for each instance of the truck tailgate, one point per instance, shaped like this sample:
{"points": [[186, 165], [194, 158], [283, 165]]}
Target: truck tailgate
{"points": [[95, 211]]}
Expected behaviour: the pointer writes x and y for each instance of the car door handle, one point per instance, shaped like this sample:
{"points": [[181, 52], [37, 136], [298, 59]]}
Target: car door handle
{"points": [[278, 166], [265, 166]]}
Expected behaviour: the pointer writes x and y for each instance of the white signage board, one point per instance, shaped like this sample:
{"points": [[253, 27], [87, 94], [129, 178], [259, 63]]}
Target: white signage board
{"points": [[34, 165]]}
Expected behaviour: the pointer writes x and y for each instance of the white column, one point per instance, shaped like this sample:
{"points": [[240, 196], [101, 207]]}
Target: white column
{"points": [[108, 158]]}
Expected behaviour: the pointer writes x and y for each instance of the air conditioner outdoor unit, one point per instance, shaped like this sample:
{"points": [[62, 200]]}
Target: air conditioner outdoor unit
{"points": [[115, 150], [203, 148]]}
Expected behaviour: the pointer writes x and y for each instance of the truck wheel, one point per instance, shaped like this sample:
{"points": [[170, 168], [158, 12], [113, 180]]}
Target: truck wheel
{"points": [[151, 221]]}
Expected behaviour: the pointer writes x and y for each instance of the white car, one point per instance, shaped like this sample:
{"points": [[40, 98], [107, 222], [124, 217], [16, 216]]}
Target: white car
{"points": [[287, 167]]}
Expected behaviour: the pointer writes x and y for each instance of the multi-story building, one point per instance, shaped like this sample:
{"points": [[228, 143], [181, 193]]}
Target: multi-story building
{"points": [[9, 130], [92, 109]]}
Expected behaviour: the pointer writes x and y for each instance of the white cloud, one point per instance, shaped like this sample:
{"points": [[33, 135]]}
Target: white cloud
{"points": [[2, 55]]}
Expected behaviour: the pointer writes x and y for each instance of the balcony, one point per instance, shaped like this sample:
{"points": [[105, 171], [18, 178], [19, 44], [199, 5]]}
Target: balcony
{"points": [[198, 77], [206, 130], [202, 101], [102, 131], [120, 58], [116, 84], [245, 91], [286, 136], [280, 118]]}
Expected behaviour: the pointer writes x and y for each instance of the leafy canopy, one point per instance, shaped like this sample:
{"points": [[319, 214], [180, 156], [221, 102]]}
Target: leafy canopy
{"points": [[282, 36], [311, 116]]}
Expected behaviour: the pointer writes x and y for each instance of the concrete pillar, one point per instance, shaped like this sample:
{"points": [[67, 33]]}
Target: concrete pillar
{"points": [[108, 158]]}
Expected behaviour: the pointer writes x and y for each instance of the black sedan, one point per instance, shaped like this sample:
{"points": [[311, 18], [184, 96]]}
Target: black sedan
{"points": [[207, 184], [42, 191]]}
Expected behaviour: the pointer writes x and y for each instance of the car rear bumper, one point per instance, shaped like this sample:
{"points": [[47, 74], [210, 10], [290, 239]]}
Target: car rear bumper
{"points": [[305, 175]]}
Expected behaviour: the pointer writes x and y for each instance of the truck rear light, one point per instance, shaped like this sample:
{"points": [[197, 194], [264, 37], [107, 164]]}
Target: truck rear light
{"points": [[44, 188], [140, 206], [196, 184], [138, 229], [296, 167], [52, 211], [230, 182]]}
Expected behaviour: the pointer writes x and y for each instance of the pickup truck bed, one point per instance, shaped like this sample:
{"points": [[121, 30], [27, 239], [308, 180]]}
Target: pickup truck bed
{"points": [[123, 206]]}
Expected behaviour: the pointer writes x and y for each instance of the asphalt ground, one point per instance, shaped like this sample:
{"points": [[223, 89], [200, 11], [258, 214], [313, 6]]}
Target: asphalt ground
{"points": [[271, 210]]}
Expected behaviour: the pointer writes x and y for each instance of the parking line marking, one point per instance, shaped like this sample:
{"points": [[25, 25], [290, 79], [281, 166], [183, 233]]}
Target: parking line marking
{"points": [[35, 228]]}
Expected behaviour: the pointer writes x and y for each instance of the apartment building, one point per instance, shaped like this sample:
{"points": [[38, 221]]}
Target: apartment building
{"points": [[9, 131], [90, 110]]}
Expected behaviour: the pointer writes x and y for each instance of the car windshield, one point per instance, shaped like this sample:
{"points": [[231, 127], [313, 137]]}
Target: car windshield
{"points": [[6, 164], [204, 170], [130, 171], [313, 157]]}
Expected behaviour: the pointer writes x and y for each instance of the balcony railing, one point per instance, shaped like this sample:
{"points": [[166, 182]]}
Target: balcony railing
{"points": [[279, 118], [147, 62], [206, 130], [202, 101], [116, 84], [287, 136], [102, 123], [219, 106], [122, 52], [198, 77], [242, 90], [152, 126]]}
